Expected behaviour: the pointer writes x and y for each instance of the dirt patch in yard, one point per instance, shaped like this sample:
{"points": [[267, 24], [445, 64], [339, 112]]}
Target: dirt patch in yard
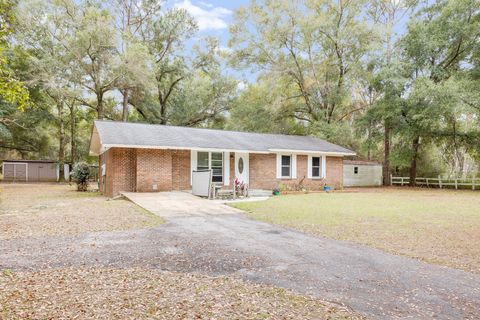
{"points": [[58, 209], [98, 293]]}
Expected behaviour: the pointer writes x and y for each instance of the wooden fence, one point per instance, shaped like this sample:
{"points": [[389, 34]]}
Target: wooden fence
{"points": [[457, 183]]}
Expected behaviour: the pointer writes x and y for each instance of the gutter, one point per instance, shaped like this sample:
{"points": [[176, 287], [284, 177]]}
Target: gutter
{"points": [[105, 147]]}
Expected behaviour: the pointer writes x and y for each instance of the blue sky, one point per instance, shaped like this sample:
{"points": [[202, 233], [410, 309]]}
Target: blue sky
{"points": [[213, 16]]}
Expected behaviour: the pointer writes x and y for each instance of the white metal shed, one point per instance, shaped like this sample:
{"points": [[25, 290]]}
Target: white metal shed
{"points": [[357, 173]]}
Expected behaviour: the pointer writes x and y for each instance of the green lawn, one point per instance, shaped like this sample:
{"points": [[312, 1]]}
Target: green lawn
{"points": [[437, 226]]}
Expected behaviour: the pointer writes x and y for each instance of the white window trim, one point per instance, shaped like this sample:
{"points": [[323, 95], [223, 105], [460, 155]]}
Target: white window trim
{"points": [[210, 163], [323, 166], [193, 163], [225, 166], [293, 166]]}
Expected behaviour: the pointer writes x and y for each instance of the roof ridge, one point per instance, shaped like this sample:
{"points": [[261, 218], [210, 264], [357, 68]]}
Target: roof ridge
{"points": [[138, 133], [210, 129]]}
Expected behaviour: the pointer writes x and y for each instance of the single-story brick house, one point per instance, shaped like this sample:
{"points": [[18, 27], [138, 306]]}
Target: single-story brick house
{"points": [[144, 157]]}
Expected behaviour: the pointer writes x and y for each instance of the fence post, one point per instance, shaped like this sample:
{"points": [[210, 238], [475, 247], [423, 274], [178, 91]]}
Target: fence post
{"points": [[440, 181], [402, 181], [456, 184], [391, 179], [427, 183], [473, 184]]}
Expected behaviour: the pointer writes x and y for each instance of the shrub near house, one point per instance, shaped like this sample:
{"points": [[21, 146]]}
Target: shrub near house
{"points": [[81, 174]]}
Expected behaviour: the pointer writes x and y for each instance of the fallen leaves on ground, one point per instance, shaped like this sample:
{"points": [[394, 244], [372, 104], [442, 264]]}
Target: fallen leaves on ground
{"points": [[101, 293], [57, 209]]}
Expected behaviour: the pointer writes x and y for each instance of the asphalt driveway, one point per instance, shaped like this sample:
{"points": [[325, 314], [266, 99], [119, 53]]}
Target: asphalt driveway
{"points": [[374, 283]]}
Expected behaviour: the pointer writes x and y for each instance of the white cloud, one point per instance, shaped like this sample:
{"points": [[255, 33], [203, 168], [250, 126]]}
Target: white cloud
{"points": [[208, 5], [225, 49], [242, 85], [207, 19]]}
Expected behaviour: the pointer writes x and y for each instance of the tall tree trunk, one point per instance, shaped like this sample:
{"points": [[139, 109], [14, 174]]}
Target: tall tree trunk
{"points": [[73, 134], [163, 109], [61, 141], [386, 135], [369, 143], [413, 164], [163, 113], [125, 105], [386, 155], [163, 104], [100, 110]]}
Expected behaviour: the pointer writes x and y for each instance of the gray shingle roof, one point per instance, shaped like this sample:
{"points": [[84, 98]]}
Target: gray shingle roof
{"points": [[111, 133]]}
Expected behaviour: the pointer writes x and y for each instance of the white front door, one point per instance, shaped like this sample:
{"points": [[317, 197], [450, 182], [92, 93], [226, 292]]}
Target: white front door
{"points": [[241, 167]]}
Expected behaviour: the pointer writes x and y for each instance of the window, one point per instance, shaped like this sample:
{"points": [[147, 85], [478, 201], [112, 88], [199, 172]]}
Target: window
{"points": [[315, 167], [202, 161], [240, 165], [355, 170], [217, 166], [211, 161], [286, 166]]}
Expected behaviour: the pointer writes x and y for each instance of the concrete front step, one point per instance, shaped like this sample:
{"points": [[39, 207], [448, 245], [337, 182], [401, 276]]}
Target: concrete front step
{"points": [[259, 193]]}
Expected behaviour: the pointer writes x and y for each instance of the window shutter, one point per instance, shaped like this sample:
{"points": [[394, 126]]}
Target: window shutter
{"points": [[226, 168], [309, 167], [193, 163], [324, 166], [279, 166], [294, 166]]}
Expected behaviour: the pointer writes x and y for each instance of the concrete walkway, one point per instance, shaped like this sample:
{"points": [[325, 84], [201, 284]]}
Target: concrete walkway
{"points": [[177, 203]]}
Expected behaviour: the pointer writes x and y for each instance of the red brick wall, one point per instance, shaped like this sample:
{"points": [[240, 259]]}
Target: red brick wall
{"points": [[101, 182], [181, 170], [141, 169], [335, 171], [109, 173], [120, 171], [232, 171], [154, 167], [263, 173], [124, 178]]}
